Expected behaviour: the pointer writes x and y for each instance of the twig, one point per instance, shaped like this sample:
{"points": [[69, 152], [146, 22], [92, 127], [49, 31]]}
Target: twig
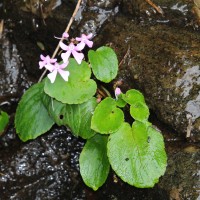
{"points": [[66, 30], [127, 52], [1, 28], [158, 8]]}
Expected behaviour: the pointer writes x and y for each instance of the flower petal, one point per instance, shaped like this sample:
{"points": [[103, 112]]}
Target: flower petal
{"points": [[42, 57], [65, 35], [89, 43], [64, 65], [64, 74], [89, 36], [41, 64], [53, 60], [65, 56], [80, 46], [48, 59], [78, 39], [117, 92], [63, 46], [52, 76], [50, 67], [78, 56]]}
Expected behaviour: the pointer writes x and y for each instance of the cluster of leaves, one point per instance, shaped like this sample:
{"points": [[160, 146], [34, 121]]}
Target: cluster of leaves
{"points": [[135, 152]]}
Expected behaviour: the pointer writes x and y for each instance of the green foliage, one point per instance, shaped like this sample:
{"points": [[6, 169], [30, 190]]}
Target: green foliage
{"points": [[76, 116], [79, 89], [120, 102], [32, 118], [94, 170], [133, 96], [4, 119], [139, 111], [104, 63], [136, 154], [107, 117]]}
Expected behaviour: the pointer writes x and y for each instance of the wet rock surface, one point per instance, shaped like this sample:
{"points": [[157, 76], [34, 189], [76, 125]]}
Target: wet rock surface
{"points": [[33, 34], [182, 178], [13, 76], [94, 14], [47, 168], [163, 62], [34, 31]]}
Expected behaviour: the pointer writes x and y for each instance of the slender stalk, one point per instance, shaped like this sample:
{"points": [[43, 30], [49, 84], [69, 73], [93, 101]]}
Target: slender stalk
{"points": [[158, 8], [66, 30], [1, 28]]}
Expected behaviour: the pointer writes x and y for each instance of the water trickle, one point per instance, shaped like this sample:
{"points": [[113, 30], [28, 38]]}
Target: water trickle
{"points": [[193, 108], [189, 79], [180, 7]]}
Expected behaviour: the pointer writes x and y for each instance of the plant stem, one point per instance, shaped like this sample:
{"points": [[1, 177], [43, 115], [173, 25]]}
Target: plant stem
{"points": [[66, 30]]}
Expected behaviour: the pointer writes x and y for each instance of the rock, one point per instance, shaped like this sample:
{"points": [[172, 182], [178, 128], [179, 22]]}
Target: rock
{"points": [[33, 34], [163, 62], [172, 12], [182, 178], [93, 14], [40, 8], [13, 76], [47, 168]]}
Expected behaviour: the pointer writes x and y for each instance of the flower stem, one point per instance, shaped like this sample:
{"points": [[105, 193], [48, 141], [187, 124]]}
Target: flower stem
{"points": [[66, 30]]}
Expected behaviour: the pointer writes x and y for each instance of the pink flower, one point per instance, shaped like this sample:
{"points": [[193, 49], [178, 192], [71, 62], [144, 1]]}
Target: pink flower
{"points": [[57, 68], [71, 49], [84, 40], [65, 35], [117, 92], [46, 61]]}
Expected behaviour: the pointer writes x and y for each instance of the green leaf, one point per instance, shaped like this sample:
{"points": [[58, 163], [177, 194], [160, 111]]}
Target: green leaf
{"points": [[32, 118], [4, 119], [104, 63], [94, 164], [120, 102], [107, 117], [133, 96], [76, 116], [78, 89], [137, 154], [139, 111]]}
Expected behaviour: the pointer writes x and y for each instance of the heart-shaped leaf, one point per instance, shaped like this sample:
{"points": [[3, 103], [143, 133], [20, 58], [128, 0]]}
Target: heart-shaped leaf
{"points": [[32, 118], [104, 63], [107, 117], [139, 111], [78, 89], [94, 164], [75, 116], [133, 96], [137, 154]]}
